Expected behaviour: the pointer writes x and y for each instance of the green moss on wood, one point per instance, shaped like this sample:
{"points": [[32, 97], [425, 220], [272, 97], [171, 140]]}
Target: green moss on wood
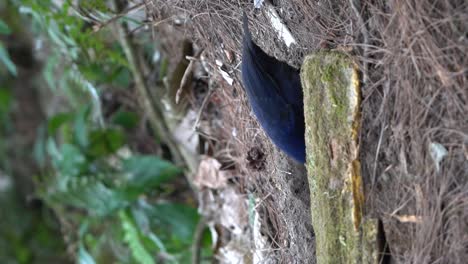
{"points": [[331, 104]]}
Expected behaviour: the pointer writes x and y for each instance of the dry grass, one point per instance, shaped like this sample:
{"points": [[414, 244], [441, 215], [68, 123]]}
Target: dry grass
{"points": [[417, 94]]}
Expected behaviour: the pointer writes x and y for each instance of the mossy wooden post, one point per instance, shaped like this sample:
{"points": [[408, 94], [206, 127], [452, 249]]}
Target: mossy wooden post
{"points": [[332, 115]]}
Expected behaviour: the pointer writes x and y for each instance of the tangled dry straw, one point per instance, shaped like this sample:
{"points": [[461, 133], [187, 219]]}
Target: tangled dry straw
{"points": [[416, 96]]}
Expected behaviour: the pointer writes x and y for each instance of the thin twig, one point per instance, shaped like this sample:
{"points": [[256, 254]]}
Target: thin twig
{"points": [[197, 239], [98, 27], [205, 101], [365, 34], [151, 107], [184, 79], [377, 152], [154, 24]]}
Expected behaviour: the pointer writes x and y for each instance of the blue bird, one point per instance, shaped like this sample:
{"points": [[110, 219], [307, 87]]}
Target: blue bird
{"points": [[274, 91]]}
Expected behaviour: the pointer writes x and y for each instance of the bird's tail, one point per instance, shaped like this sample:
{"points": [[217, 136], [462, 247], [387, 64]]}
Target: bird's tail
{"points": [[247, 35]]}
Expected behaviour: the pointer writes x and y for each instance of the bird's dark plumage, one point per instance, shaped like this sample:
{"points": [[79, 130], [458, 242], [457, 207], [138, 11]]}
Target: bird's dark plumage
{"points": [[275, 95]]}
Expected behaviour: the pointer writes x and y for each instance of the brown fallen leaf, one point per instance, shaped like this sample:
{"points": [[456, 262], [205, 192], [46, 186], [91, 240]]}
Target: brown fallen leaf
{"points": [[209, 174], [408, 218]]}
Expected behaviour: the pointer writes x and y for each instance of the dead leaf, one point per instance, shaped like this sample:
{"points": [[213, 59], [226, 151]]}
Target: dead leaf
{"points": [[408, 218], [438, 152], [209, 174]]}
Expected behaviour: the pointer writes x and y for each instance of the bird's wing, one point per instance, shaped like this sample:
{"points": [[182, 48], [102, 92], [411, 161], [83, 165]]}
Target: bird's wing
{"points": [[267, 102]]}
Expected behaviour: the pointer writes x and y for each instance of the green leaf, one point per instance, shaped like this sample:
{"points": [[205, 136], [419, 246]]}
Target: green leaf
{"points": [[84, 227], [52, 150], [125, 119], [84, 257], [132, 238], [177, 221], [4, 28], [5, 100], [146, 172], [181, 220], [94, 72], [5, 59], [5, 118], [39, 151], [52, 62], [89, 194], [123, 78], [105, 142], [81, 127], [163, 69], [57, 121], [143, 222], [71, 161]]}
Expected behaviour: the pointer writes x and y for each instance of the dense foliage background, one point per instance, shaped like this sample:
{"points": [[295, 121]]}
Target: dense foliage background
{"points": [[74, 185]]}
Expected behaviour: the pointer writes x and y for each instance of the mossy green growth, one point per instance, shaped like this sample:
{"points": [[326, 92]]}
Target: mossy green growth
{"points": [[332, 116]]}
